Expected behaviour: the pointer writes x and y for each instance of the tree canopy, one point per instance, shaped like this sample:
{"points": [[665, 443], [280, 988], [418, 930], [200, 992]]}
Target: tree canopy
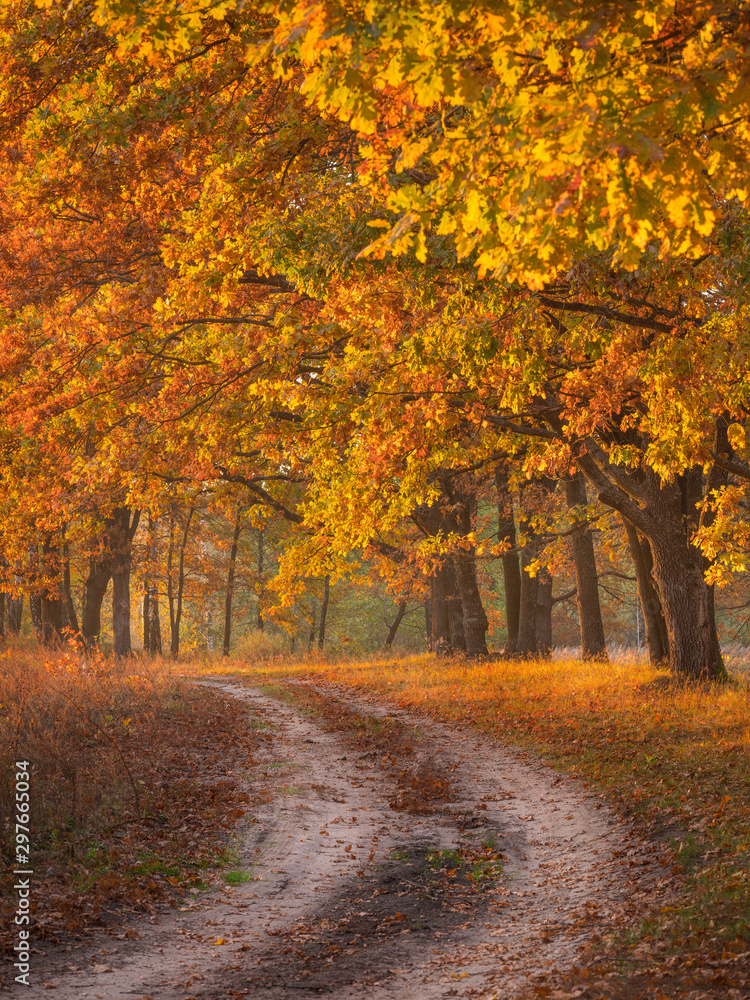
{"points": [[352, 260]]}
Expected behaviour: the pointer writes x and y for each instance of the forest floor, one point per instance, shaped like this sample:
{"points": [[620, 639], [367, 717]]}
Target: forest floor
{"points": [[386, 852]]}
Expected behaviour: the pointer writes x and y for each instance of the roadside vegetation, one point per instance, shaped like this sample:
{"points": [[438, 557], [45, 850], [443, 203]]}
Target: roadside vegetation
{"points": [[137, 783]]}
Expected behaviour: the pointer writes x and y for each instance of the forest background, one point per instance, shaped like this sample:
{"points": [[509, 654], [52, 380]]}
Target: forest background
{"points": [[435, 314]]}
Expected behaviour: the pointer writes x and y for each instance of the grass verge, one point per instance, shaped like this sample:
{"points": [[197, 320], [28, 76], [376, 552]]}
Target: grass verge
{"points": [[137, 781]]}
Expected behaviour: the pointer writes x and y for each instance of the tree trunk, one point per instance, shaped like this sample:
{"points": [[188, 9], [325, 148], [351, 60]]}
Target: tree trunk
{"points": [[666, 514], [35, 607], [100, 573], [454, 607], [688, 608], [544, 614], [394, 627], [324, 612], [121, 533], [175, 612], [151, 622], [527, 638], [506, 532], [593, 645], [70, 618], [261, 570], [230, 585], [51, 602], [441, 631], [475, 622], [14, 614], [428, 621], [313, 629], [653, 617], [154, 622]]}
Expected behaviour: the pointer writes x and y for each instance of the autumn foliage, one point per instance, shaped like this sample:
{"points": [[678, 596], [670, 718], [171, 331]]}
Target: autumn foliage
{"points": [[366, 269]]}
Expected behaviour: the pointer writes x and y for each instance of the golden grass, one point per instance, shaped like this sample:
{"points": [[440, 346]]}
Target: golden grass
{"points": [[136, 782], [75, 718]]}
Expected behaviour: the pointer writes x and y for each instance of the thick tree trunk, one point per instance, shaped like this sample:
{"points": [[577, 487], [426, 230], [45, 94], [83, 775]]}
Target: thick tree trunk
{"points": [[121, 533], [454, 607], [653, 617], [458, 617], [14, 607], [666, 514], [544, 614], [475, 622], [593, 645], [688, 607], [506, 532], [394, 627], [51, 602], [230, 586], [100, 573], [446, 611], [324, 612], [440, 619]]}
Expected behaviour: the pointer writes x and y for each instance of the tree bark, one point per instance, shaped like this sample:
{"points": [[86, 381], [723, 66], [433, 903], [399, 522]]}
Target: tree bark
{"points": [[230, 585], [454, 585], [394, 627], [122, 529], [175, 612], [51, 601], [70, 618], [544, 614], [14, 614], [151, 622], [441, 632], [593, 645], [428, 621], [324, 612], [527, 637], [474, 619], [261, 570], [665, 514], [506, 532], [454, 607], [653, 617], [100, 573]]}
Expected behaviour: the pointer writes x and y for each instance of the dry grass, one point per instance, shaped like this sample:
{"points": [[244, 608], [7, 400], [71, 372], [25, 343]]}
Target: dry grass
{"points": [[137, 781]]}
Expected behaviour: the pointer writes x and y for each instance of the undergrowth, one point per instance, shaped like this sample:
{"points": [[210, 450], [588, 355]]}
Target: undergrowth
{"points": [[136, 783]]}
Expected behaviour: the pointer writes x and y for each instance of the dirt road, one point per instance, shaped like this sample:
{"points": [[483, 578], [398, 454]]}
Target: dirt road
{"points": [[353, 892]]}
